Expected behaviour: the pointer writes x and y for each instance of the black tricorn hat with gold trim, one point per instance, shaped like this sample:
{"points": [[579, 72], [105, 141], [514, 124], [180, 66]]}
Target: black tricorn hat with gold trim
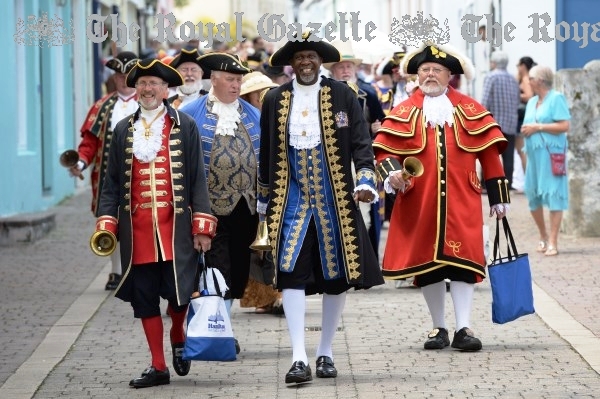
{"points": [[444, 55], [123, 62], [325, 50], [185, 56], [153, 67], [221, 62]]}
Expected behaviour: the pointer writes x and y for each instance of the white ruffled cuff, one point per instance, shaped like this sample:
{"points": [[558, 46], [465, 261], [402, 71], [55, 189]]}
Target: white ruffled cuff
{"points": [[367, 187]]}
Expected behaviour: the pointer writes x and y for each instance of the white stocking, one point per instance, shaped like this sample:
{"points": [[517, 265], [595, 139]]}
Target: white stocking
{"points": [[294, 306], [435, 296], [333, 306], [462, 297]]}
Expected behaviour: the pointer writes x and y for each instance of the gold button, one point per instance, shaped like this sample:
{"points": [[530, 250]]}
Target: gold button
{"points": [[443, 182], [443, 194], [442, 168]]}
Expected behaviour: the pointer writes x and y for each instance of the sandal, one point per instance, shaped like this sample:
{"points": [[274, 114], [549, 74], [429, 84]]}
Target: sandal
{"points": [[542, 246], [551, 251]]}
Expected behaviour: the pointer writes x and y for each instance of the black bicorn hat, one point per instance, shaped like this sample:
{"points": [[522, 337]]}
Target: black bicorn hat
{"points": [[154, 67], [186, 55], [444, 55], [123, 62], [221, 62], [325, 50]]}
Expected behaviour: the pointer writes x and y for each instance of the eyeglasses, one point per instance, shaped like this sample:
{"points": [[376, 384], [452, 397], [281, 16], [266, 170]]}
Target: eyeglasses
{"points": [[152, 85], [435, 71]]}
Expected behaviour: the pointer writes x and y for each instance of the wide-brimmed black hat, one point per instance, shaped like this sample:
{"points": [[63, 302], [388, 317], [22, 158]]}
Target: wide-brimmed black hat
{"points": [[273, 72], [154, 67], [325, 50], [123, 62], [186, 55], [444, 55], [221, 62]]}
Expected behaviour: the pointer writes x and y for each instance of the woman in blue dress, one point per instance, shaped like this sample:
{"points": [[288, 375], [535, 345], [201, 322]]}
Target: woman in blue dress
{"points": [[545, 129]]}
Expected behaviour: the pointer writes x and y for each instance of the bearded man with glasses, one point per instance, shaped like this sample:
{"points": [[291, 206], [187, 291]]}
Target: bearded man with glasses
{"points": [[435, 231]]}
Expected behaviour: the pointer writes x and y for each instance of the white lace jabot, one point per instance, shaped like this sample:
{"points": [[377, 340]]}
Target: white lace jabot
{"points": [[438, 110], [305, 127], [228, 114], [146, 147]]}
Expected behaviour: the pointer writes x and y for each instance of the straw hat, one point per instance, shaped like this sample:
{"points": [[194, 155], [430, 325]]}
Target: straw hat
{"points": [[346, 52], [255, 81]]}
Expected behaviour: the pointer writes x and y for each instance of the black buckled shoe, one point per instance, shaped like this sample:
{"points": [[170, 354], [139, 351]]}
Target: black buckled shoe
{"points": [[113, 282], [299, 373], [437, 339], [325, 367], [182, 367], [151, 377], [465, 340]]}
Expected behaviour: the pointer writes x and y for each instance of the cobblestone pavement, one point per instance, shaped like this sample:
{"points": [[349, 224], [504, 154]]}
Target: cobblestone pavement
{"points": [[65, 337]]}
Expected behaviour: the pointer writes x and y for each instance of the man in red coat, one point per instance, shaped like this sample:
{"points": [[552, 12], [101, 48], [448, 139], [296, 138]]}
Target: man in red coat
{"points": [[436, 224], [155, 198], [96, 135]]}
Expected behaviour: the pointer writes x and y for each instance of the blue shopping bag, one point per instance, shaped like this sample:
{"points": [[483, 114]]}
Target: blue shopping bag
{"points": [[510, 278], [209, 335]]}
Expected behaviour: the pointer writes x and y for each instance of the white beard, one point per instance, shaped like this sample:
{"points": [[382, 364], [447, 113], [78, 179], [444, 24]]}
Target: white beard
{"points": [[191, 88]]}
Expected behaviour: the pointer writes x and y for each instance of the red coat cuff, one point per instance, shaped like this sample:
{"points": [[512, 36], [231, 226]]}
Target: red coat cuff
{"points": [[203, 223], [106, 222]]}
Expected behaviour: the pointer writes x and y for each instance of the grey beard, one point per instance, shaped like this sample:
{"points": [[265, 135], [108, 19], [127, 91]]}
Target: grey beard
{"points": [[191, 88]]}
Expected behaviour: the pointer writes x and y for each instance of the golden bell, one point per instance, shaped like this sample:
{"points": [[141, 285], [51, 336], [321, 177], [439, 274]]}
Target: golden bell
{"points": [[103, 243], [411, 167], [261, 242]]}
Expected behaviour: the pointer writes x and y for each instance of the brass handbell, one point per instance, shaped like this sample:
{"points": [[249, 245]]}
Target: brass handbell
{"points": [[261, 242], [411, 167], [103, 243], [69, 158]]}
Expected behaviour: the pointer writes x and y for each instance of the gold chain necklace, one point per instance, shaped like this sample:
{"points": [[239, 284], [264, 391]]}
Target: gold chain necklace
{"points": [[147, 132]]}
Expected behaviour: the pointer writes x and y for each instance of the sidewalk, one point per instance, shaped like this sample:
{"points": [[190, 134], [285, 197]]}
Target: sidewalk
{"points": [[64, 336]]}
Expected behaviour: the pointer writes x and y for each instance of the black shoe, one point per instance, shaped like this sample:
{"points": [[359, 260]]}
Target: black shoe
{"points": [[299, 373], [182, 367], [437, 339], [325, 367], [151, 377], [237, 347], [465, 340], [113, 282]]}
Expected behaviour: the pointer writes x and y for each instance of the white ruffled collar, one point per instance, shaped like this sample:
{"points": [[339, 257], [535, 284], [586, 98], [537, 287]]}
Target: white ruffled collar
{"points": [[438, 110], [229, 115], [304, 125], [147, 146]]}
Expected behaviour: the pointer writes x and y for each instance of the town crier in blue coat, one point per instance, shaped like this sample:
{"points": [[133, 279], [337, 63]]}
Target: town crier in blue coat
{"points": [[230, 132], [312, 134]]}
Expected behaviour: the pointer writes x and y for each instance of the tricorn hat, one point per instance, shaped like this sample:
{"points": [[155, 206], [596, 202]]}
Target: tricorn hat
{"points": [[185, 55], [346, 53], [154, 67], [325, 50], [444, 55], [221, 62], [255, 81], [123, 62]]}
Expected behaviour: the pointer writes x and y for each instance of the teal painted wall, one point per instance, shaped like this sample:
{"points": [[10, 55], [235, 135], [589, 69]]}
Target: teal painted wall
{"points": [[38, 114]]}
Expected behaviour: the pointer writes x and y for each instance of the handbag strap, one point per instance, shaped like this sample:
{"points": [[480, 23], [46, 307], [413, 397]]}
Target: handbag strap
{"points": [[546, 145], [511, 247]]}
